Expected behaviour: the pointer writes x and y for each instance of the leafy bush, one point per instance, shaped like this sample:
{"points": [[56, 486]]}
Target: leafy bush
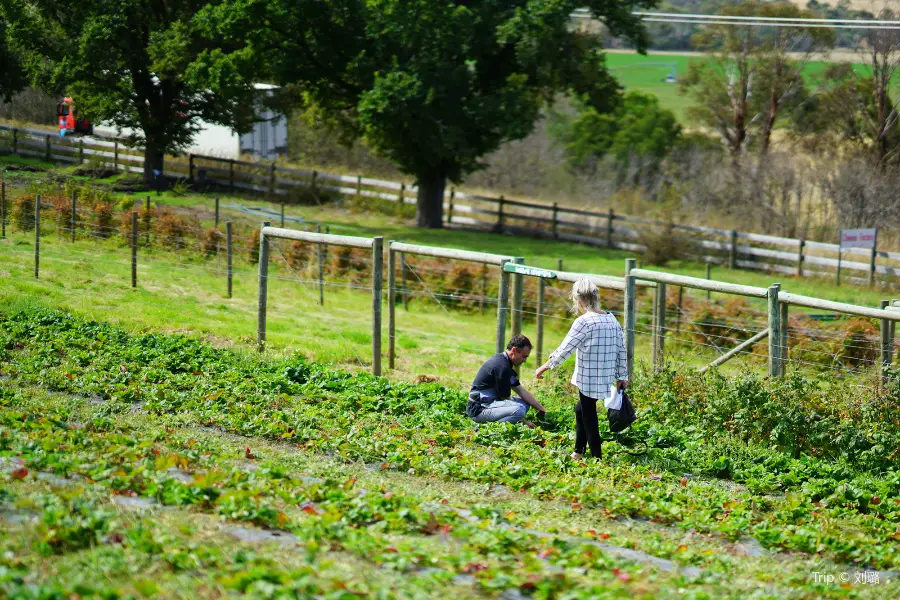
{"points": [[298, 254], [23, 212], [252, 247], [213, 238], [62, 206], [102, 218], [170, 229]]}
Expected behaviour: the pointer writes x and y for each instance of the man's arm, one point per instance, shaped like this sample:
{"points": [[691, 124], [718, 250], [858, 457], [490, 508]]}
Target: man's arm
{"points": [[529, 399]]}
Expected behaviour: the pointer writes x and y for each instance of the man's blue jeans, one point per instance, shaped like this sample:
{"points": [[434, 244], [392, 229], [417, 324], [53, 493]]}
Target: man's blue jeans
{"points": [[503, 411]]}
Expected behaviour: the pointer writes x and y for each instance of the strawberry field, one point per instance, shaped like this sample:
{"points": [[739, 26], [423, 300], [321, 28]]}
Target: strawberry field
{"points": [[156, 465]]}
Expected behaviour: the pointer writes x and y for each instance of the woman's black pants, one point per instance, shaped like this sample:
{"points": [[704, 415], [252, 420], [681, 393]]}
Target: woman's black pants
{"points": [[587, 428]]}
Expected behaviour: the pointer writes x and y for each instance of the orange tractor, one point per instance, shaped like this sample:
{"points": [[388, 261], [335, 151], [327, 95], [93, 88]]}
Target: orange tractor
{"points": [[68, 124]]}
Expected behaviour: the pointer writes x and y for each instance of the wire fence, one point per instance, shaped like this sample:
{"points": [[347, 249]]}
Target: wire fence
{"points": [[449, 307]]}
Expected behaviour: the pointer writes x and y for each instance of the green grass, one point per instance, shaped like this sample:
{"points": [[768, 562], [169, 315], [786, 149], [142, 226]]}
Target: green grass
{"points": [[180, 291], [647, 73]]}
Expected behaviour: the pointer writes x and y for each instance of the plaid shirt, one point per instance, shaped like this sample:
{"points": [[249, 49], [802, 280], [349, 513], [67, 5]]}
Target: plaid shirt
{"points": [[600, 359]]}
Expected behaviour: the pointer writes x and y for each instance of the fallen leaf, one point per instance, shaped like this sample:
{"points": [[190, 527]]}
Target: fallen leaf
{"points": [[309, 508], [473, 567], [684, 482], [248, 454], [875, 500], [576, 506], [19, 473]]}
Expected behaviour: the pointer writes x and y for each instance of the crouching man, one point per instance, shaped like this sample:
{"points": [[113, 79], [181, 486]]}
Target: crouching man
{"points": [[490, 399]]}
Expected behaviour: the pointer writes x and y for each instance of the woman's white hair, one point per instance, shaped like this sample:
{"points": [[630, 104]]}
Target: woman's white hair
{"points": [[585, 292]]}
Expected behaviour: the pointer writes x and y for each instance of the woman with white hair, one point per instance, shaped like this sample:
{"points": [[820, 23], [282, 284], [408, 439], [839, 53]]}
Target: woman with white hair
{"points": [[600, 360]]}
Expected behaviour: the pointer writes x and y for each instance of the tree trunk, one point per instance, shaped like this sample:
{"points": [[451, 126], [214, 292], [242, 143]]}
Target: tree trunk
{"points": [[153, 161], [881, 139], [771, 115], [430, 201]]}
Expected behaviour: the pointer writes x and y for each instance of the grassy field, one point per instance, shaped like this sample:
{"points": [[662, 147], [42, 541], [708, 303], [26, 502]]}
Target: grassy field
{"points": [[164, 457], [647, 73], [182, 291]]}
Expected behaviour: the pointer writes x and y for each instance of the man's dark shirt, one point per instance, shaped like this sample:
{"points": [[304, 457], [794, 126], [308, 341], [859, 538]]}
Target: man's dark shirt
{"points": [[495, 379]]}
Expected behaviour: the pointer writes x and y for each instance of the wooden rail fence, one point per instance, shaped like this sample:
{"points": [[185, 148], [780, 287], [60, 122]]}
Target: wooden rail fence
{"points": [[735, 249]]}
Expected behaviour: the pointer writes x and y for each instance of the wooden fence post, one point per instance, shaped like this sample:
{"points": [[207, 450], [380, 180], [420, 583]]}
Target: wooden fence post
{"points": [[47, 147], [392, 300], [116, 157], [708, 277], [659, 327], [3, 210], [484, 272], [518, 298], [609, 228], [272, 181], [190, 166], [887, 345], [500, 216], [134, 245], [320, 252], [838, 282], [679, 309], [314, 181], [732, 253], [630, 305], [540, 321], [228, 267], [783, 342], [774, 332], [147, 209], [217, 212], [73, 217], [15, 147], [37, 235], [262, 290], [800, 258], [872, 259], [559, 264], [404, 290], [401, 194], [555, 225], [81, 151], [282, 214], [450, 211], [377, 280], [502, 309], [231, 175], [359, 186]]}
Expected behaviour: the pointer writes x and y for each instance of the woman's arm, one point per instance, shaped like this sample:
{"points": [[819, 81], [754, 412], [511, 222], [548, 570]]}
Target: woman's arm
{"points": [[573, 340]]}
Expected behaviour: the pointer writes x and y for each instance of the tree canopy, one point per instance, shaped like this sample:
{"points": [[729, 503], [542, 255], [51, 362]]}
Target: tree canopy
{"points": [[432, 85], [637, 129], [126, 62]]}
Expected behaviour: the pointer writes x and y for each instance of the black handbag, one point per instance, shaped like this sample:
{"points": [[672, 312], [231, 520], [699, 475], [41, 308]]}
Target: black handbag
{"points": [[619, 420]]}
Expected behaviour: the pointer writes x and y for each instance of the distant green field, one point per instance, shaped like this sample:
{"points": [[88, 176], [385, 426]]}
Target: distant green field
{"points": [[648, 74]]}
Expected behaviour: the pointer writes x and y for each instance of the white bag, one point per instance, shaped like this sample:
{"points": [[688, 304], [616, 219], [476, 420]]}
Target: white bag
{"points": [[614, 401]]}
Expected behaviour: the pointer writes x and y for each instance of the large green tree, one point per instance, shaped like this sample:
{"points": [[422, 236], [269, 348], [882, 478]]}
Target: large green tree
{"points": [[434, 85], [638, 131], [12, 75], [125, 62]]}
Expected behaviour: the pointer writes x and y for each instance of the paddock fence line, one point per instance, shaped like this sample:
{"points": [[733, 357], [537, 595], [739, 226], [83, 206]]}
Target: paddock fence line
{"points": [[522, 292], [605, 229]]}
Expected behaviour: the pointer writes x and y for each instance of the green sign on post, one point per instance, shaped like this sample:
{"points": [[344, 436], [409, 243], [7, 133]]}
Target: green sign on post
{"points": [[518, 269]]}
